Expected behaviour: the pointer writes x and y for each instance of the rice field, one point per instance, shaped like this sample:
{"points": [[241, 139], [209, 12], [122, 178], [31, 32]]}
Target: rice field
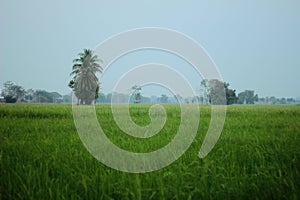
{"points": [[256, 157]]}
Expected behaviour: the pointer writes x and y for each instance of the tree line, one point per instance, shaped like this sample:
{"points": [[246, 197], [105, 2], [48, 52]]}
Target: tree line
{"points": [[86, 87], [14, 93], [85, 83]]}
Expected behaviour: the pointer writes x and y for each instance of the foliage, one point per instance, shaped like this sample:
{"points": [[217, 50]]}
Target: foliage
{"points": [[204, 96], [257, 156], [85, 82], [247, 97], [12, 92], [102, 98], [42, 96], [137, 93], [231, 97], [10, 99], [217, 93]]}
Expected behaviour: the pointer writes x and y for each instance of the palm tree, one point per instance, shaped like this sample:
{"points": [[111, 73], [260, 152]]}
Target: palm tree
{"points": [[85, 82]]}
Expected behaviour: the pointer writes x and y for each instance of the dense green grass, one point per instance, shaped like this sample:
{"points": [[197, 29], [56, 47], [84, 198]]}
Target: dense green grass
{"points": [[257, 156]]}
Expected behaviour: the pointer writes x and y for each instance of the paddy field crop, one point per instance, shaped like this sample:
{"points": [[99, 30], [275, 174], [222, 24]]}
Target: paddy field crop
{"points": [[256, 157]]}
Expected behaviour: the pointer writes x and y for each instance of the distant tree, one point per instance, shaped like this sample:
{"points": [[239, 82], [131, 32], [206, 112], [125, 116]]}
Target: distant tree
{"points": [[10, 99], [201, 100], [13, 92], [282, 100], [204, 92], [262, 100], [108, 97], [194, 99], [120, 97], [2, 99], [29, 95], [179, 98], [67, 98], [145, 100], [272, 100], [163, 98], [137, 93], [154, 99], [247, 97], [218, 92], [56, 97], [85, 83], [256, 98], [102, 98], [42, 96], [8, 89], [290, 100], [231, 97], [187, 100]]}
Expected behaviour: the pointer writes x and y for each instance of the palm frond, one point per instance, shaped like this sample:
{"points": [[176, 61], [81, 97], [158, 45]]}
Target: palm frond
{"points": [[84, 70]]}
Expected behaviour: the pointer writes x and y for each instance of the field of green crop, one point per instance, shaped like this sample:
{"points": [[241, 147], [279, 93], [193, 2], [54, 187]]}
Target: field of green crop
{"points": [[256, 157]]}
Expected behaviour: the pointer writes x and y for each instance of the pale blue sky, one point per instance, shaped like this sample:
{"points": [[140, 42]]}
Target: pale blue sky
{"points": [[255, 44]]}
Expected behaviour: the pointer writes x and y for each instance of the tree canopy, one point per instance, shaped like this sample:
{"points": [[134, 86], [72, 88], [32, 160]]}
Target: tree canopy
{"points": [[85, 83], [218, 92], [13, 92]]}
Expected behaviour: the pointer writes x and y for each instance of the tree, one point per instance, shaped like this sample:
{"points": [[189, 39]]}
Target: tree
{"points": [[290, 100], [119, 98], [163, 98], [204, 92], [85, 83], [282, 100], [42, 96], [12, 92], [247, 97], [231, 97], [29, 95], [179, 98], [272, 100], [102, 98], [108, 97], [67, 98], [137, 93], [216, 92], [219, 93]]}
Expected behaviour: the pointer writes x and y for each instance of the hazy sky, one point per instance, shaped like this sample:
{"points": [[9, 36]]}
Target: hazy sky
{"points": [[255, 44]]}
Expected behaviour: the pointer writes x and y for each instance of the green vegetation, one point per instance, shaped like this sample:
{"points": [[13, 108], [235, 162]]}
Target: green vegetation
{"points": [[85, 83], [257, 156]]}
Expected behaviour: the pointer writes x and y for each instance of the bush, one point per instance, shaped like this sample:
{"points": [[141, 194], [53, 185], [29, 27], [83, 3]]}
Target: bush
{"points": [[10, 99]]}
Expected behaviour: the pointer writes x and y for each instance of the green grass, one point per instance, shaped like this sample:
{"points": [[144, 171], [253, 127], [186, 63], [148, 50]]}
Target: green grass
{"points": [[256, 157]]}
